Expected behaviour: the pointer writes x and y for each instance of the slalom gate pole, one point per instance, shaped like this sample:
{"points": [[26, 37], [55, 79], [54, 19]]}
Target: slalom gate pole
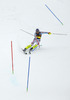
{"points": [[53, 14], [28, 73], [12, 57]]}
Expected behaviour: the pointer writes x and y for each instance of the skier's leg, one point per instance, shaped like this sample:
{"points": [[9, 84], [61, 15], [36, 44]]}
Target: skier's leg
{"points": [[35, 46], [38, 41], [27, 47]]}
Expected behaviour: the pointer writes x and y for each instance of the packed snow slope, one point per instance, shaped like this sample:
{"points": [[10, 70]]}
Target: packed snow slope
{"points": [[50, 64]]}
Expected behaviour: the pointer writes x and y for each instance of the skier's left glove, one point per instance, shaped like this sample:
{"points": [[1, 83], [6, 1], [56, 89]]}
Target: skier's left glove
{"points": [[49, 33]]}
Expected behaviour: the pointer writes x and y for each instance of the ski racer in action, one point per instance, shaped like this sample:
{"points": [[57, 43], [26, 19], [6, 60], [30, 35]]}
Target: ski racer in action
{"points": [[36, 41]]}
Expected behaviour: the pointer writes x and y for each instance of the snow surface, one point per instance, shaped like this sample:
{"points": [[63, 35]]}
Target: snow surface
{"points": [[50, 65]]}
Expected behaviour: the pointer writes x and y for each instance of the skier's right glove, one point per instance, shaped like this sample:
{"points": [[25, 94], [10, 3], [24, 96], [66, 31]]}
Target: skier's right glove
{"points": [[49, 33]]}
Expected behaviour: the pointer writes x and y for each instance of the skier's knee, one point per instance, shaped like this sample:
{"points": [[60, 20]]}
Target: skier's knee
{"points": [[28, 46], [35, 46]]}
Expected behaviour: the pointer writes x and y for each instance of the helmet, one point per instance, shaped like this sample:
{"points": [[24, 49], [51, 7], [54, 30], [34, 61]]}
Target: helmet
{"points": [[37, 30]]}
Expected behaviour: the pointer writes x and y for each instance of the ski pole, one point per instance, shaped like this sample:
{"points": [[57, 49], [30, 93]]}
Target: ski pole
{"points": [[46, 33], [55, 33], [59, 34], [26, 32]]}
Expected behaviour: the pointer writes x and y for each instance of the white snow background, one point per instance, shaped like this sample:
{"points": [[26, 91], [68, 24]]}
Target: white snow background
{"points": [[50, 64]]}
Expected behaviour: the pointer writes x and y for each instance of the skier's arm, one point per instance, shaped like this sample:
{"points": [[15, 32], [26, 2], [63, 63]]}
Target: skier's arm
{"points": [[46, 33]]}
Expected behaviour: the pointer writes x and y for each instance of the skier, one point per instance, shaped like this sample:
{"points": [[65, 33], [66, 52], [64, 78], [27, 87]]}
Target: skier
{"points": [[36, 41]]}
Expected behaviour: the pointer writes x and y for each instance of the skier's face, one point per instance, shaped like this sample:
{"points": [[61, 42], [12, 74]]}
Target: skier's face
{"points": [[37, 32]]}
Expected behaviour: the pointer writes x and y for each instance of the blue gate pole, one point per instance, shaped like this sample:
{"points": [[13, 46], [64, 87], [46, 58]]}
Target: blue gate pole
{"points": [[53, 14], [28, 73]]}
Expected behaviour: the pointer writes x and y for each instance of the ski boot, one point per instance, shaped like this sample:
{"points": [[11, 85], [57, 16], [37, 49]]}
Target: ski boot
{"points": [[24, 50], [30, 50]]}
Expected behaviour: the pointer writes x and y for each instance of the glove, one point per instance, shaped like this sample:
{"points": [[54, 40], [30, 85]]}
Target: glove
{"points": [[49, 33]]}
